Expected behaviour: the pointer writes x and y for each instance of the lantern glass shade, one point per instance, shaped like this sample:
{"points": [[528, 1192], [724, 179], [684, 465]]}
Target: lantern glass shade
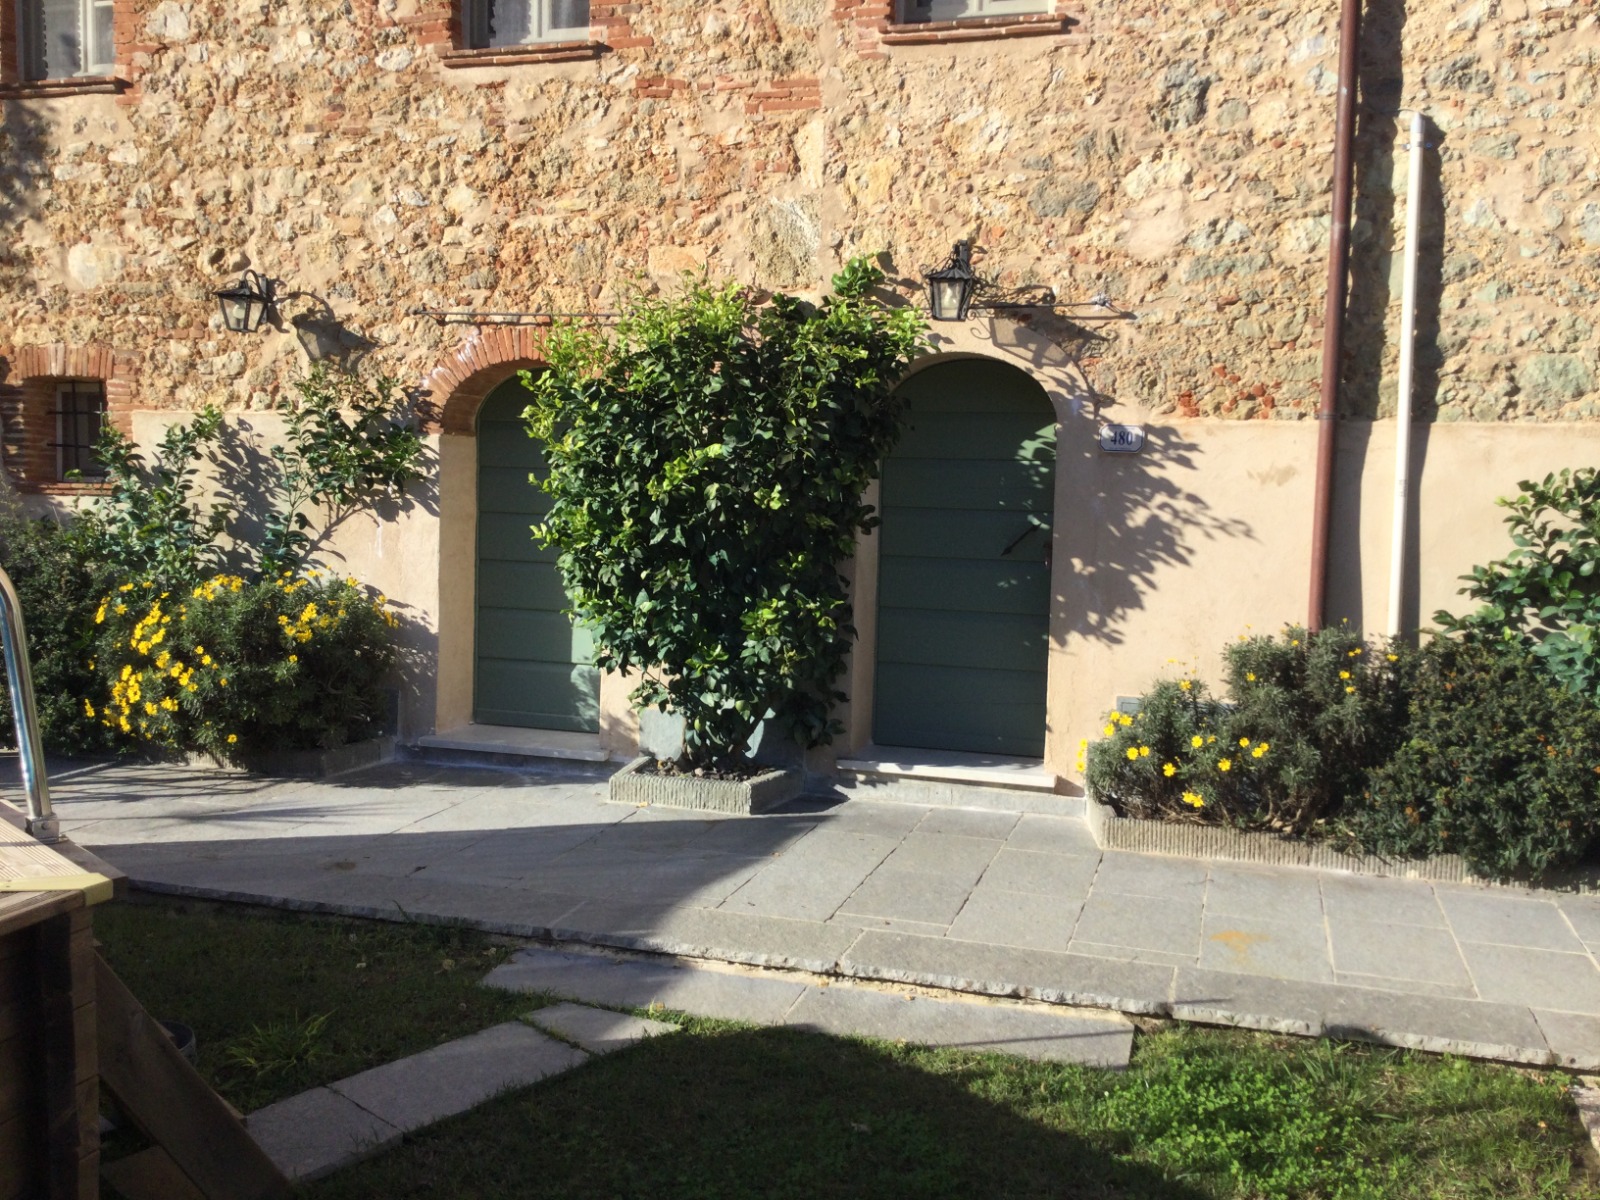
{"points": [[245, 303], [947, 298], [951, 287]]}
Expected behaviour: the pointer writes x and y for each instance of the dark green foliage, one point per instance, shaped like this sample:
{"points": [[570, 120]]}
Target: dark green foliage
{"points": [[707, 464], [1546, 592], [350, 443], [1311, 714], [150, 525], [1502, 766], [58, 590]]}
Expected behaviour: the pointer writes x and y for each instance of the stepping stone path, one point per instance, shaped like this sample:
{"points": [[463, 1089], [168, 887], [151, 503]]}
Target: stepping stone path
{"points": [[1052, 1033], [317, 1132]]}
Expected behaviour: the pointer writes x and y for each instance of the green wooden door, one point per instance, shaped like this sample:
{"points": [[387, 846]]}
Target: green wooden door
{"points": [[964, 574], [532, 662]]}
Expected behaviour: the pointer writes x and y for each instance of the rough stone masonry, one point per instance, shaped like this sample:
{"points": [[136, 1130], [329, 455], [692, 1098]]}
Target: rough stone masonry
{"points": [[1173, 157]]}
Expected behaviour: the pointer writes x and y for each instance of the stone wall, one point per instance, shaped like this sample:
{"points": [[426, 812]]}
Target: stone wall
{"points": [[1175, 159]]}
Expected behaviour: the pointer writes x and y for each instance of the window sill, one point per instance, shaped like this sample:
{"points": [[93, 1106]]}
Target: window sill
{"points": [[77, 85], [974, 29], [508, 56], [96, 487]]}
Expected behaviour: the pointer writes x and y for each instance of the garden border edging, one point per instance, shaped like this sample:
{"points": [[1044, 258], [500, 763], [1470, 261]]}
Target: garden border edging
{"points": [[765, 791], [1112, 832]]}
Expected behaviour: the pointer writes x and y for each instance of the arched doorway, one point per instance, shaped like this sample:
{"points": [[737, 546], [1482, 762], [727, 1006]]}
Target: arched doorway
{"points": [[532, 664], [967, 500]]}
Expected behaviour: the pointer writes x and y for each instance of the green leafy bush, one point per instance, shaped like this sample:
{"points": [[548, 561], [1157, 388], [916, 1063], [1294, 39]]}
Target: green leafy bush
{"points": [[240, 669], [58, 588], [1502, 766], [1310, 715], [1546, 592], [706, 471]]}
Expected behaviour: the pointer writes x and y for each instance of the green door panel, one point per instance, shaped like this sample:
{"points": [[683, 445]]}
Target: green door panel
{"points": [[533, 665], [967, 500]]}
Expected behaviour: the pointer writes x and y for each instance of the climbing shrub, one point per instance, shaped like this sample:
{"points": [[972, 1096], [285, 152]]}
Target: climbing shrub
{"points": [[706, 466], [240, 669], [1501, 766]]}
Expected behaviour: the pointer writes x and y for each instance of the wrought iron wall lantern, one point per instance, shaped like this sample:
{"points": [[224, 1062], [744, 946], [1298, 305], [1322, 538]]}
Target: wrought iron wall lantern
{"points": [[955, 290], [247, 302]]}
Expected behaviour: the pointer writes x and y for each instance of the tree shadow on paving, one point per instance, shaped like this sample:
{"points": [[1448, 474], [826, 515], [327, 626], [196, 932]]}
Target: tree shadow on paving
{"points": [[769, 1114]]}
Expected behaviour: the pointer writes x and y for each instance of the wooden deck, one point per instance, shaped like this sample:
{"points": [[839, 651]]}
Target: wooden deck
{"points": [[49, 1069]]}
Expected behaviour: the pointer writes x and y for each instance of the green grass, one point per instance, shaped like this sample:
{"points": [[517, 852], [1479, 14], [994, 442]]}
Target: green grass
{"points": [[281, 1002], [722, 1110]]}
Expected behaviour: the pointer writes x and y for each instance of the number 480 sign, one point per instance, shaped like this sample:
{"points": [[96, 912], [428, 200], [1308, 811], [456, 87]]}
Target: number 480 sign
{"points": [[1122, 439]]}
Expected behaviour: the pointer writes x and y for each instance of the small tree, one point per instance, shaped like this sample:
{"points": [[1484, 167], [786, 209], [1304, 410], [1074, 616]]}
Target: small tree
{"points": [[707, 465]]}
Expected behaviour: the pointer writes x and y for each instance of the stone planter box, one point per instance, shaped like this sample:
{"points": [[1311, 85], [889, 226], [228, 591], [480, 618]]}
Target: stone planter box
{"points": [[632, 785], [1112, 832]]}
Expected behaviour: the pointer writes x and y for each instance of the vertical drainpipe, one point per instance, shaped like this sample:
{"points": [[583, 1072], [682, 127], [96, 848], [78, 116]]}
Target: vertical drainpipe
{"points": [[1333, 310]]}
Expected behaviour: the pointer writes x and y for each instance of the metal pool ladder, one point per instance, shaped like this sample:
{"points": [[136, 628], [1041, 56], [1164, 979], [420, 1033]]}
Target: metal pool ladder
{"points": [[42, 823]]}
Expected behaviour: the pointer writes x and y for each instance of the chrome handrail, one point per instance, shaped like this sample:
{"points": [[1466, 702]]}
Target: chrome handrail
{"points": [[42, 823]]}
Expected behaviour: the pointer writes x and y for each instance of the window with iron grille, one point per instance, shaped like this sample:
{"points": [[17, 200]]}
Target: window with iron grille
{"points": [[957, 10], [80, 416], [60, 39], [518, 22]]}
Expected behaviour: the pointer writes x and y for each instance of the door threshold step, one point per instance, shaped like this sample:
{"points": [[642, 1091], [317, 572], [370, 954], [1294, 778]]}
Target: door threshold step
{"points": [[986, 770], [515, 742]]}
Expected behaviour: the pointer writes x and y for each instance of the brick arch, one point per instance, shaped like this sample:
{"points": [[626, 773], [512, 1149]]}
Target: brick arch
{"points": [[454, 390], [28, 379]]}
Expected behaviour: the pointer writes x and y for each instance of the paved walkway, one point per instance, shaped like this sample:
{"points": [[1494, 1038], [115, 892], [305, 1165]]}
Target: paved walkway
{"points": [[996, 902]]}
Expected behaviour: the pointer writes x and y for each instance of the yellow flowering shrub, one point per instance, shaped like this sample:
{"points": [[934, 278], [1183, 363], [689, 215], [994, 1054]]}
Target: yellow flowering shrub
{"points": [[1308, 717], [235, 668]]}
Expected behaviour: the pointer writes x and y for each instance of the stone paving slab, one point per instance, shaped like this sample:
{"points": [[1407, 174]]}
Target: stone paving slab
{"points": [[596, 1030], [317, 1132], [1059, 978], [449, 1079], [1042, 1034], [635, 983]]}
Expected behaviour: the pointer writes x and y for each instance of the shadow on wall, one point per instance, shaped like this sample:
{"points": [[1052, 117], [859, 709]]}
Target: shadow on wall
{"points": [[22, 150], [1372, 316], [1138, 519]]}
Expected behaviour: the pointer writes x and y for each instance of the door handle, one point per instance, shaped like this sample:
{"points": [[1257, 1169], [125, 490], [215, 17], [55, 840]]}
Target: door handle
{"points": [[1034, 525]]}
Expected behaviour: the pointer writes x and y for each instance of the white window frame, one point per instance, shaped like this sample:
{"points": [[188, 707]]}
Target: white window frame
{"points": [[96, 55], [915, 11], [475, 18]]}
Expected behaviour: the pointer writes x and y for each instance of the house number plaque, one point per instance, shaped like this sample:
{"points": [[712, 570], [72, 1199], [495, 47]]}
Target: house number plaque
{"points": [[1122, 439]]}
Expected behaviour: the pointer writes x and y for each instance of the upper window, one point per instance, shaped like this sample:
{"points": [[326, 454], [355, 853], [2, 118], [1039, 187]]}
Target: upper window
{"points": [[957, 10], [65, 38], [488, 23], [80, 419]]}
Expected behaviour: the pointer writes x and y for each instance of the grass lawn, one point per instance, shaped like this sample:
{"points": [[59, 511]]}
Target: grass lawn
{"points": [[721, 1110]]}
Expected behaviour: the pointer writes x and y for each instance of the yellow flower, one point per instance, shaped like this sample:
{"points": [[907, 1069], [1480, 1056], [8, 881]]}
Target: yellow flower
{"points": [[1250, 676], [100, 614], [1258, 752], [1194, 799], [1224, 764], [1109, 730], [1168, 770], [1344, 674], [1392, 657], [127, 587], [1294, 642], [149, 708], [222, 683], [1211, 738], [1349, 691], [1263, 747], [1144, 751], [120, 609], [1197, 741], [1244, 741], [199, 649], [232, 738], [294, 658], [88, 709], [1132, 754], [1354, 653], [206, 660], [1185, 684], [1083, 743]]}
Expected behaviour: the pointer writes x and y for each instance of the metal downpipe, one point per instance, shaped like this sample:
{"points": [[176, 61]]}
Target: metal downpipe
{"points": [[1333, 309]]}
